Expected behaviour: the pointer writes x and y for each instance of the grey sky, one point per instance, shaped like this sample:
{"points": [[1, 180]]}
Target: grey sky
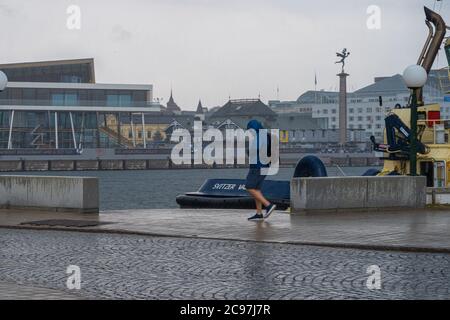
{"points": [[216, 48]]}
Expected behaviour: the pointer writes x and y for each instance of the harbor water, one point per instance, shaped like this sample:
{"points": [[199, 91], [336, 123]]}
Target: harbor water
{"points": [[157, 189]]}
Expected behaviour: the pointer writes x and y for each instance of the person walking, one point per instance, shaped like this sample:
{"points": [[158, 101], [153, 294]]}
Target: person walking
{"points": [[255, 179]]}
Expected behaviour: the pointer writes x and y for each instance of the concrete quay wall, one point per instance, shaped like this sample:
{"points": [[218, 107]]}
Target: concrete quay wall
{"points": [[344, 193], [148, 164], [73, 194]]}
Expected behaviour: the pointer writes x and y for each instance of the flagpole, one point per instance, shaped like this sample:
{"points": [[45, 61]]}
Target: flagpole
{"points": [[315, 87]]}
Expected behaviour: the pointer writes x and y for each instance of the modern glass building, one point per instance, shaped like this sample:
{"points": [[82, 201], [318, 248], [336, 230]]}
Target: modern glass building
{"points": [[78, 71], [58, 104]]}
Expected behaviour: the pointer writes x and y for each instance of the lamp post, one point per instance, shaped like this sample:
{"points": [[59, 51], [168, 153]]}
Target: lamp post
{"points": [[415, 77], [3, 83]]}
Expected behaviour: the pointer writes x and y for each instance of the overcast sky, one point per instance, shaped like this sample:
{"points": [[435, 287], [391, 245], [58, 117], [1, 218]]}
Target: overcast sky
{"points": [[213, 49]]}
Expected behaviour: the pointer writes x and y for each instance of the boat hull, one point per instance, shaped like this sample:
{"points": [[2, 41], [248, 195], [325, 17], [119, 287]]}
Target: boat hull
{"points": [[231, 194]]}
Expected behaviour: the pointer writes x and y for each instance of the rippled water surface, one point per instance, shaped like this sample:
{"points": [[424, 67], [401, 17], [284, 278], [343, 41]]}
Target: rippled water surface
{"points": [[155, 189]]}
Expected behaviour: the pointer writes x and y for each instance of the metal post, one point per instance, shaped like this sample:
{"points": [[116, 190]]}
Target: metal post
{"points": [[413, 152], [56, 131], [10, 130], [144, 133], [81, 132], [132, 130], [118, 130], [97, 136], [73, 131]]}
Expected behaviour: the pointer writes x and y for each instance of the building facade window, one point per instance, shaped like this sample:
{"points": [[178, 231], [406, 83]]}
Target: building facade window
{"points": [[118, 100], [64, 99]]}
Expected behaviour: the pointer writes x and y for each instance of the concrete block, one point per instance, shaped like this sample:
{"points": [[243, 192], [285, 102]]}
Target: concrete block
{"points": [[135, 164], [74, 194], [335, 193], [62, 165], [35, 165], [111, 164], [82, 165], [328, 193], [158, 164], [396, 191], [7, 166], [438, 196]]}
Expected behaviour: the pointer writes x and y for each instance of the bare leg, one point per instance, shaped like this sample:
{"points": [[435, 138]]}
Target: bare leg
{"points": [[258, 207], [258, 196]]}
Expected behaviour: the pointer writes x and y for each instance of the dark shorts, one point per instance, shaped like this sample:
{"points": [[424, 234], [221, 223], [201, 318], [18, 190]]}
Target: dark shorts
{"points": [[254, 179]]}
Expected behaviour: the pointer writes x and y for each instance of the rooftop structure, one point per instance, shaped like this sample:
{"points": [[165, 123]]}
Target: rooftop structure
{"points": [[172, 105], [74, 70]]}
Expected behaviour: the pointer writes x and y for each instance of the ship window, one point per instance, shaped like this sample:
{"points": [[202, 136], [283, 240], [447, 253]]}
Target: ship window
{"points": [[421, 115]]}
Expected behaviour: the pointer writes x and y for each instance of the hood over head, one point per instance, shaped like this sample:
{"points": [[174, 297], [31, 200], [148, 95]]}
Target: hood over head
{"points": [[255, 125]]}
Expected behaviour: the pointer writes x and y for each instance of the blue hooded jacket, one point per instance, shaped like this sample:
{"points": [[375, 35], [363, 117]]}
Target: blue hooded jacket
{"points": [[256, 125]]}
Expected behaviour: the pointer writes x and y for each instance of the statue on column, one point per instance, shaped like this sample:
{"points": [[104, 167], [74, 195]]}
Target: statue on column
{"points": [[343, 55]]}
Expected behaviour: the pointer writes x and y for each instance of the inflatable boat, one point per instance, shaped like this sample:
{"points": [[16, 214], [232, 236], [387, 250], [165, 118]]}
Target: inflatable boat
{"points": [[231, 193]]}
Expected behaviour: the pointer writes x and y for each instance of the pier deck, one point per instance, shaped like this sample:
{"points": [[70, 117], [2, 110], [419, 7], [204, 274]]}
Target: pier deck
{"points": [[415, 230]]}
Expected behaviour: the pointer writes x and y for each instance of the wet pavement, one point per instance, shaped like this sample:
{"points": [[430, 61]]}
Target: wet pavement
{"points": [[11, 291], [415, 230], [117, 266]]}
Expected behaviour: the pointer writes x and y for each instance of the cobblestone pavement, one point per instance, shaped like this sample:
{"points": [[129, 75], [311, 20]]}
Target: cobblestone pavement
{"points": [[142, 267], [10, 291]]}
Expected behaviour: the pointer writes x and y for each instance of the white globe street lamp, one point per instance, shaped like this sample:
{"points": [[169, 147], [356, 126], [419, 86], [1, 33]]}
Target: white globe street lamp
{"points": [[3, 80], [415, 77]]}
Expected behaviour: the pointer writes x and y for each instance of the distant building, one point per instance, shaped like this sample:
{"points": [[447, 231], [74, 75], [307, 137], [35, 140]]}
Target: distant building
{"points": [[172, 105], [200, 112], [242, 111], [368, 106], [152, 128]]}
